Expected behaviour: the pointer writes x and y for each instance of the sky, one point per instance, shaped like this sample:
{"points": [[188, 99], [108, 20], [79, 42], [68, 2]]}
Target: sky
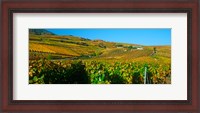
{"points": [[141, 36]]}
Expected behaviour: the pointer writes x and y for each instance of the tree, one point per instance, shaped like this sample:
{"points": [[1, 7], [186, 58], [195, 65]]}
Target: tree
{"points": [[154, 50]]}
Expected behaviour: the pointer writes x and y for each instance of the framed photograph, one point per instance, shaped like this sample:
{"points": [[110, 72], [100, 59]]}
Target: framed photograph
{"points": [[100, 56]]}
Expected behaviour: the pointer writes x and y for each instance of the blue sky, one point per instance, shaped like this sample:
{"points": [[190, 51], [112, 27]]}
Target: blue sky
{"points": [[124, 35]]}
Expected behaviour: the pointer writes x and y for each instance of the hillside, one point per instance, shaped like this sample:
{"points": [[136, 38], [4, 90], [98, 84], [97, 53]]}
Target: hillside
{"points": [[55, 59], [44, 44], [40, 32]]}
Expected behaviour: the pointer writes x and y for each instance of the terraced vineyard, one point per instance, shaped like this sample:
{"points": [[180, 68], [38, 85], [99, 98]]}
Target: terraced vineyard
{"points": [[69, 59]]}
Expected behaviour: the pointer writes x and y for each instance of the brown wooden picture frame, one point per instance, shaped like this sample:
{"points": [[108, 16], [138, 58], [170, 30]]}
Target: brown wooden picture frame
{"points": [[191, 7]]}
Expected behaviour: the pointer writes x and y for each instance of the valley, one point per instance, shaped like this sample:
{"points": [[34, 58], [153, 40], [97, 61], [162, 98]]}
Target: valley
{"points": [[109, 59]]}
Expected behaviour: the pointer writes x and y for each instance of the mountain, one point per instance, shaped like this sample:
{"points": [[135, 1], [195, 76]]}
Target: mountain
{"points": [[44, 44], [40, 32]]}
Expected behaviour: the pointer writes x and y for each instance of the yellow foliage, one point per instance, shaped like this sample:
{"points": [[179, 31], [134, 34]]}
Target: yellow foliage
{"points": [[51, 49]]}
